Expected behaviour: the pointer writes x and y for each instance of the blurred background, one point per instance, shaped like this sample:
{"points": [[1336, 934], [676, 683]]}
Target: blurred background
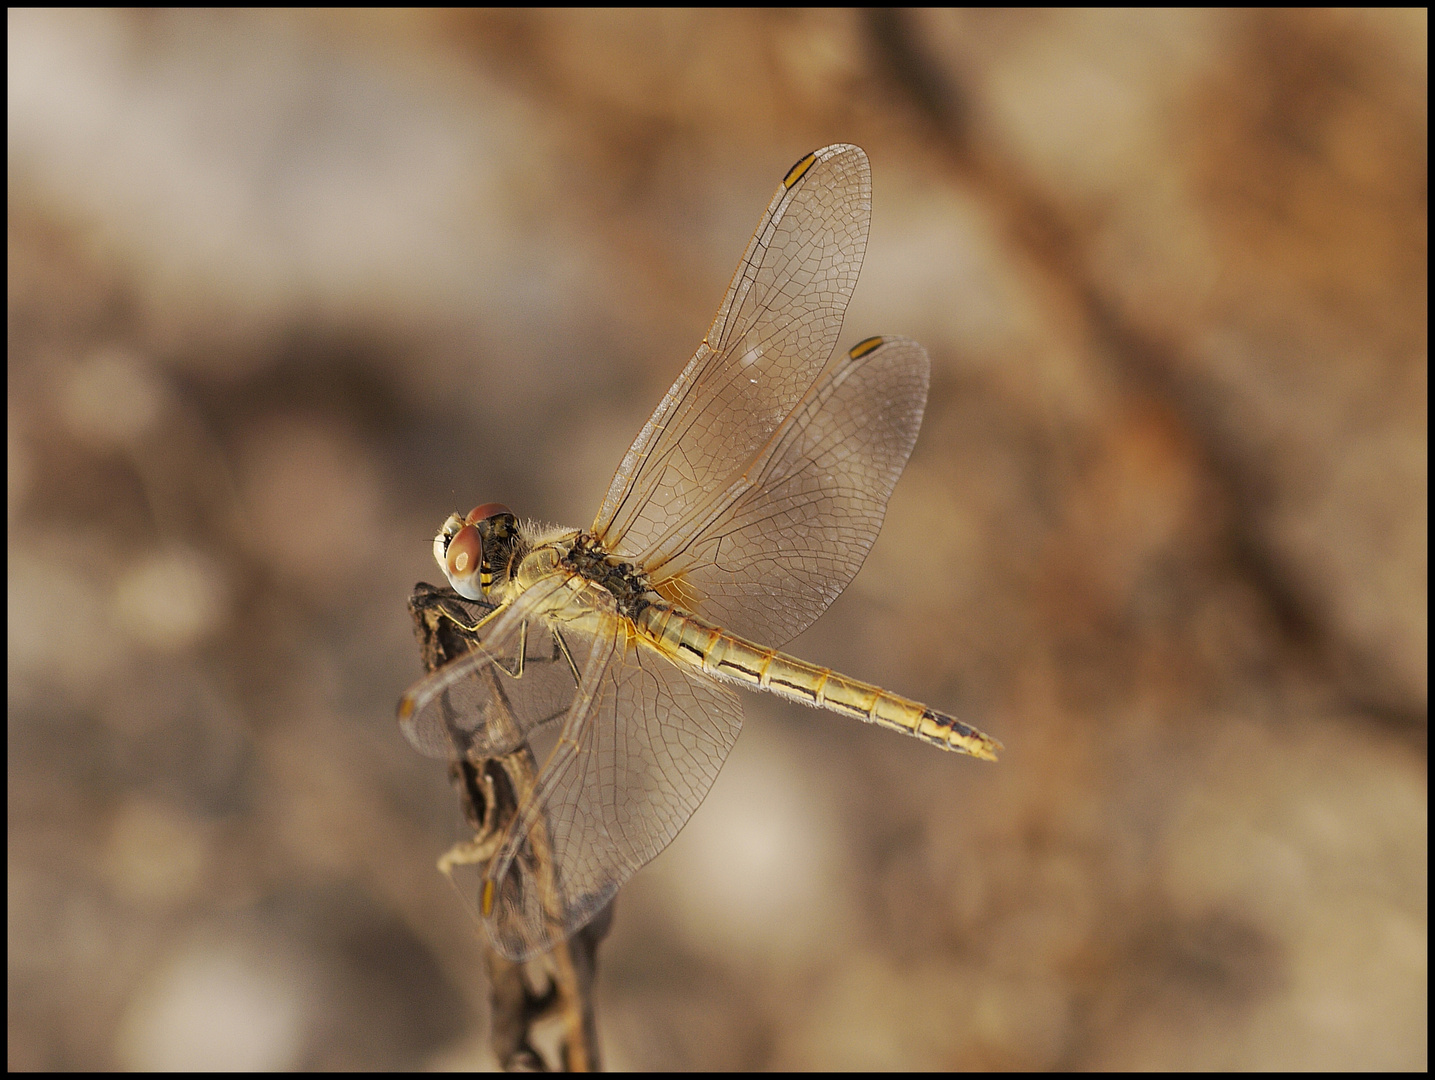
{"points": [[285, 289]]}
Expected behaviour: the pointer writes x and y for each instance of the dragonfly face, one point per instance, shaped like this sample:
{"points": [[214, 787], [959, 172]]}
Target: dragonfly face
{"points": [[745, 505], [475, 550]]}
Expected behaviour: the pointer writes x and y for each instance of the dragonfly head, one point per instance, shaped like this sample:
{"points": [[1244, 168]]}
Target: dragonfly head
{"points": [[474, 550]]}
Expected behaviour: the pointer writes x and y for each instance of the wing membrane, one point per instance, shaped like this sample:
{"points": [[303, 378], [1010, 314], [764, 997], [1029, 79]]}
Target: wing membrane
{"points": [[639, 751], [773, 334], [476, 703], [767, 556]]}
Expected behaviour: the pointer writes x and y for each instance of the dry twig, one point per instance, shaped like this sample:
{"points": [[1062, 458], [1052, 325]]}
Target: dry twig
{"points": [[557, 987]]}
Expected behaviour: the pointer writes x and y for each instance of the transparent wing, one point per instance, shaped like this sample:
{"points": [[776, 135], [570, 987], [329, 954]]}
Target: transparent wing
{"points": [[767, 556], [639, 751], [773, 334], [486, 702]]}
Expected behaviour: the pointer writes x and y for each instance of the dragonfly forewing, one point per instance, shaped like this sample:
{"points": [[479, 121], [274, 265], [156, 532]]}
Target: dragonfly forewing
{"points": [[773, 334], [521, 675], [638, 753]]}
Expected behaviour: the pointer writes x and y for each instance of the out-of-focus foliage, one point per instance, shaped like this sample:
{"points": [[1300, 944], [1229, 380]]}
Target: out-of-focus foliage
{"points": [[287, 288]]}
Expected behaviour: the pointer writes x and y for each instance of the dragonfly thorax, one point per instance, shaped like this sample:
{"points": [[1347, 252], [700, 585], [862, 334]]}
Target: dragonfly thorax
{"points": [[629, 585]]}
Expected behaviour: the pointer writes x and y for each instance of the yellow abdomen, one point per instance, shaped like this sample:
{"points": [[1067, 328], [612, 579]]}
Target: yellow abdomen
{"points": [[686, 639]]}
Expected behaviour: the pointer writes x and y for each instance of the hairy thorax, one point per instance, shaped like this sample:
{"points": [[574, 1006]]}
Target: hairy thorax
{"points": [[617, 584]]}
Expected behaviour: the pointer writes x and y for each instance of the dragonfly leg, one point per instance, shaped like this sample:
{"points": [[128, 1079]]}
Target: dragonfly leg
{"points": [[475, 631], [517, 670], [568, 655], [476, 851], [472, 629]]}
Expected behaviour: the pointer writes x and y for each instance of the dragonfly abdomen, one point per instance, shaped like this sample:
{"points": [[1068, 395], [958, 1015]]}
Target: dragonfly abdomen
{"points": [[689, 640]]}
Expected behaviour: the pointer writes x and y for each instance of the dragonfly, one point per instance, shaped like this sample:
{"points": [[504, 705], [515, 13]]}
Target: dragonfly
{"points": [[748, 501]]}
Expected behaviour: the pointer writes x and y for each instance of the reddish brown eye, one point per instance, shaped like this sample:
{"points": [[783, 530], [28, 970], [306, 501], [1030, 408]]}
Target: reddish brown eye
{"points": [[465, 553], [486, 511]]}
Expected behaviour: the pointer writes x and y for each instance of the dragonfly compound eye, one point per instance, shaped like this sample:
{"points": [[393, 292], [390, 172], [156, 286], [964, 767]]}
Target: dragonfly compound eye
{"points": [[463, 561], [486, 511]]}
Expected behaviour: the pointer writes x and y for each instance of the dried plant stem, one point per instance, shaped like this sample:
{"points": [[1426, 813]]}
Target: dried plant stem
{"points": [[555, 988]]}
